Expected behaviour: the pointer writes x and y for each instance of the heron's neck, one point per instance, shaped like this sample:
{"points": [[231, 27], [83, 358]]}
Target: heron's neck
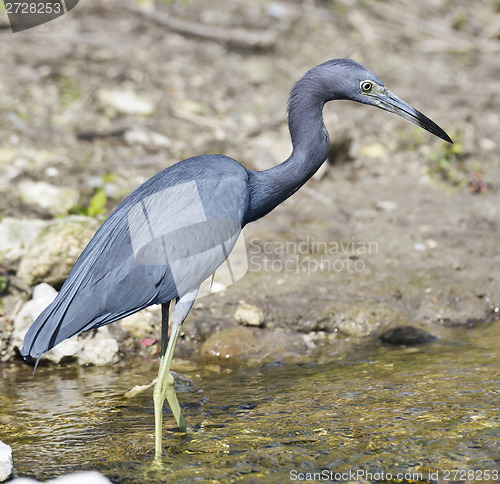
{"points": [[310, 142]]}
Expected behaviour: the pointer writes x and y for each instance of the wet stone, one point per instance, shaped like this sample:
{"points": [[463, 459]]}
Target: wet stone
{"points": [[406, 336]]}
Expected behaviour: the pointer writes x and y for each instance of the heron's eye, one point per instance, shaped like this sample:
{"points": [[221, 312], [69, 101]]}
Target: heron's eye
{"points": [[366, 86]]}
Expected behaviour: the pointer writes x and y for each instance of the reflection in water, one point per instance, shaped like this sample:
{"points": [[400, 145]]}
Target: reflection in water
{"points": [[430, 409]]}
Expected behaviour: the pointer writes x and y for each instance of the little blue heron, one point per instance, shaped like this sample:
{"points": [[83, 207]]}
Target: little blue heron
{"points": [[172, 233]]}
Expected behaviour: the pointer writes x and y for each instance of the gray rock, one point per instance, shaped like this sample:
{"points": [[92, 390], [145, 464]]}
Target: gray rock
{"points": [[6, 462], [17, 236], [53, 198], [406, 336], [55, 251], [91, 348], [91, 477]]}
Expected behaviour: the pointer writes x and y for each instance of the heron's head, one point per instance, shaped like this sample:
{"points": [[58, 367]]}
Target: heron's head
{"points": [[347, 79]]}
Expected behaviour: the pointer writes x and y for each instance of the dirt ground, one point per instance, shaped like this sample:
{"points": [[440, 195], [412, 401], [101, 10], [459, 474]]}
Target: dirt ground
{"points": [[423, 218]]}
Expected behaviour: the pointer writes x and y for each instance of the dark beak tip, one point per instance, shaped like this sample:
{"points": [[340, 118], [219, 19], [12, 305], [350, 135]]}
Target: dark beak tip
{"points": [[446, 137]]}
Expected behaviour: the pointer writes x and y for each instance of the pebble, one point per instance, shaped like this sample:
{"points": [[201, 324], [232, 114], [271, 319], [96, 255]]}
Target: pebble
{"points": [[126, 101], [374, 151], [386, 205], [249, 315]]}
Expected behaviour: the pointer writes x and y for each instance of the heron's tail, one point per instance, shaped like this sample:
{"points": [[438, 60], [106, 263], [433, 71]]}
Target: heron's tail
{"points": [[56, 323], [74, 310]]}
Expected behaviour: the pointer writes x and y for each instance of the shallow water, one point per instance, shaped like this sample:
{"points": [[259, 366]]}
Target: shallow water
{"points": [[376, 412]]}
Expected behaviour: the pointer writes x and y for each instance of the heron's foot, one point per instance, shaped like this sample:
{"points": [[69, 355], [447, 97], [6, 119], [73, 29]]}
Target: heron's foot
{"points": [[157, 464], [174, 404], [164, 388], [139, 389]]}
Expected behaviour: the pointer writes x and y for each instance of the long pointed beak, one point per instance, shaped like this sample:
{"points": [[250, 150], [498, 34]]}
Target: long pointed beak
{"points": [[390, 102]]}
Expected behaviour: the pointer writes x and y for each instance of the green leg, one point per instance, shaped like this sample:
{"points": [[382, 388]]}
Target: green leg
{"points": [[164, 386]]}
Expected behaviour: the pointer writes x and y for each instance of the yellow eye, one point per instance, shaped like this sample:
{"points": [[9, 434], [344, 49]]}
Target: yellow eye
{"points": [[366, 86]]}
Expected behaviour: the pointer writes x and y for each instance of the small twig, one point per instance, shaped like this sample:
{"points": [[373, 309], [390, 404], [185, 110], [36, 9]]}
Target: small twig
{"points": [[236, 37], [139, 389], [111, 132], [197, 119]]}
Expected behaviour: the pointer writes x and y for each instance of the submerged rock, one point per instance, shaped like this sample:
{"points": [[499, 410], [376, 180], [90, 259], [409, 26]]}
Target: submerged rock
{"points": [[6, 462], [406, 336], [229, 344], [237, 344], [55, 251], [96, 347], [91, 477]]}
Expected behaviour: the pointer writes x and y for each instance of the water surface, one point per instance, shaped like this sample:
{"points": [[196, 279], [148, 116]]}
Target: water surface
{"points": [[378, 412]]}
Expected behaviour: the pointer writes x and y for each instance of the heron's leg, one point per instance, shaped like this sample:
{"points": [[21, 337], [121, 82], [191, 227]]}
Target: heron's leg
{"points": [[164, 386]]}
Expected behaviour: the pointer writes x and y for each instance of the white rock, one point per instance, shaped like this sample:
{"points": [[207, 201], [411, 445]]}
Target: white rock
{"points": [[249, 315], [55, 199], [126, 101], [91, 477], [17, 236], [94, 348], [99, 349], [6, 462], [43, 295], [144, 323]]}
